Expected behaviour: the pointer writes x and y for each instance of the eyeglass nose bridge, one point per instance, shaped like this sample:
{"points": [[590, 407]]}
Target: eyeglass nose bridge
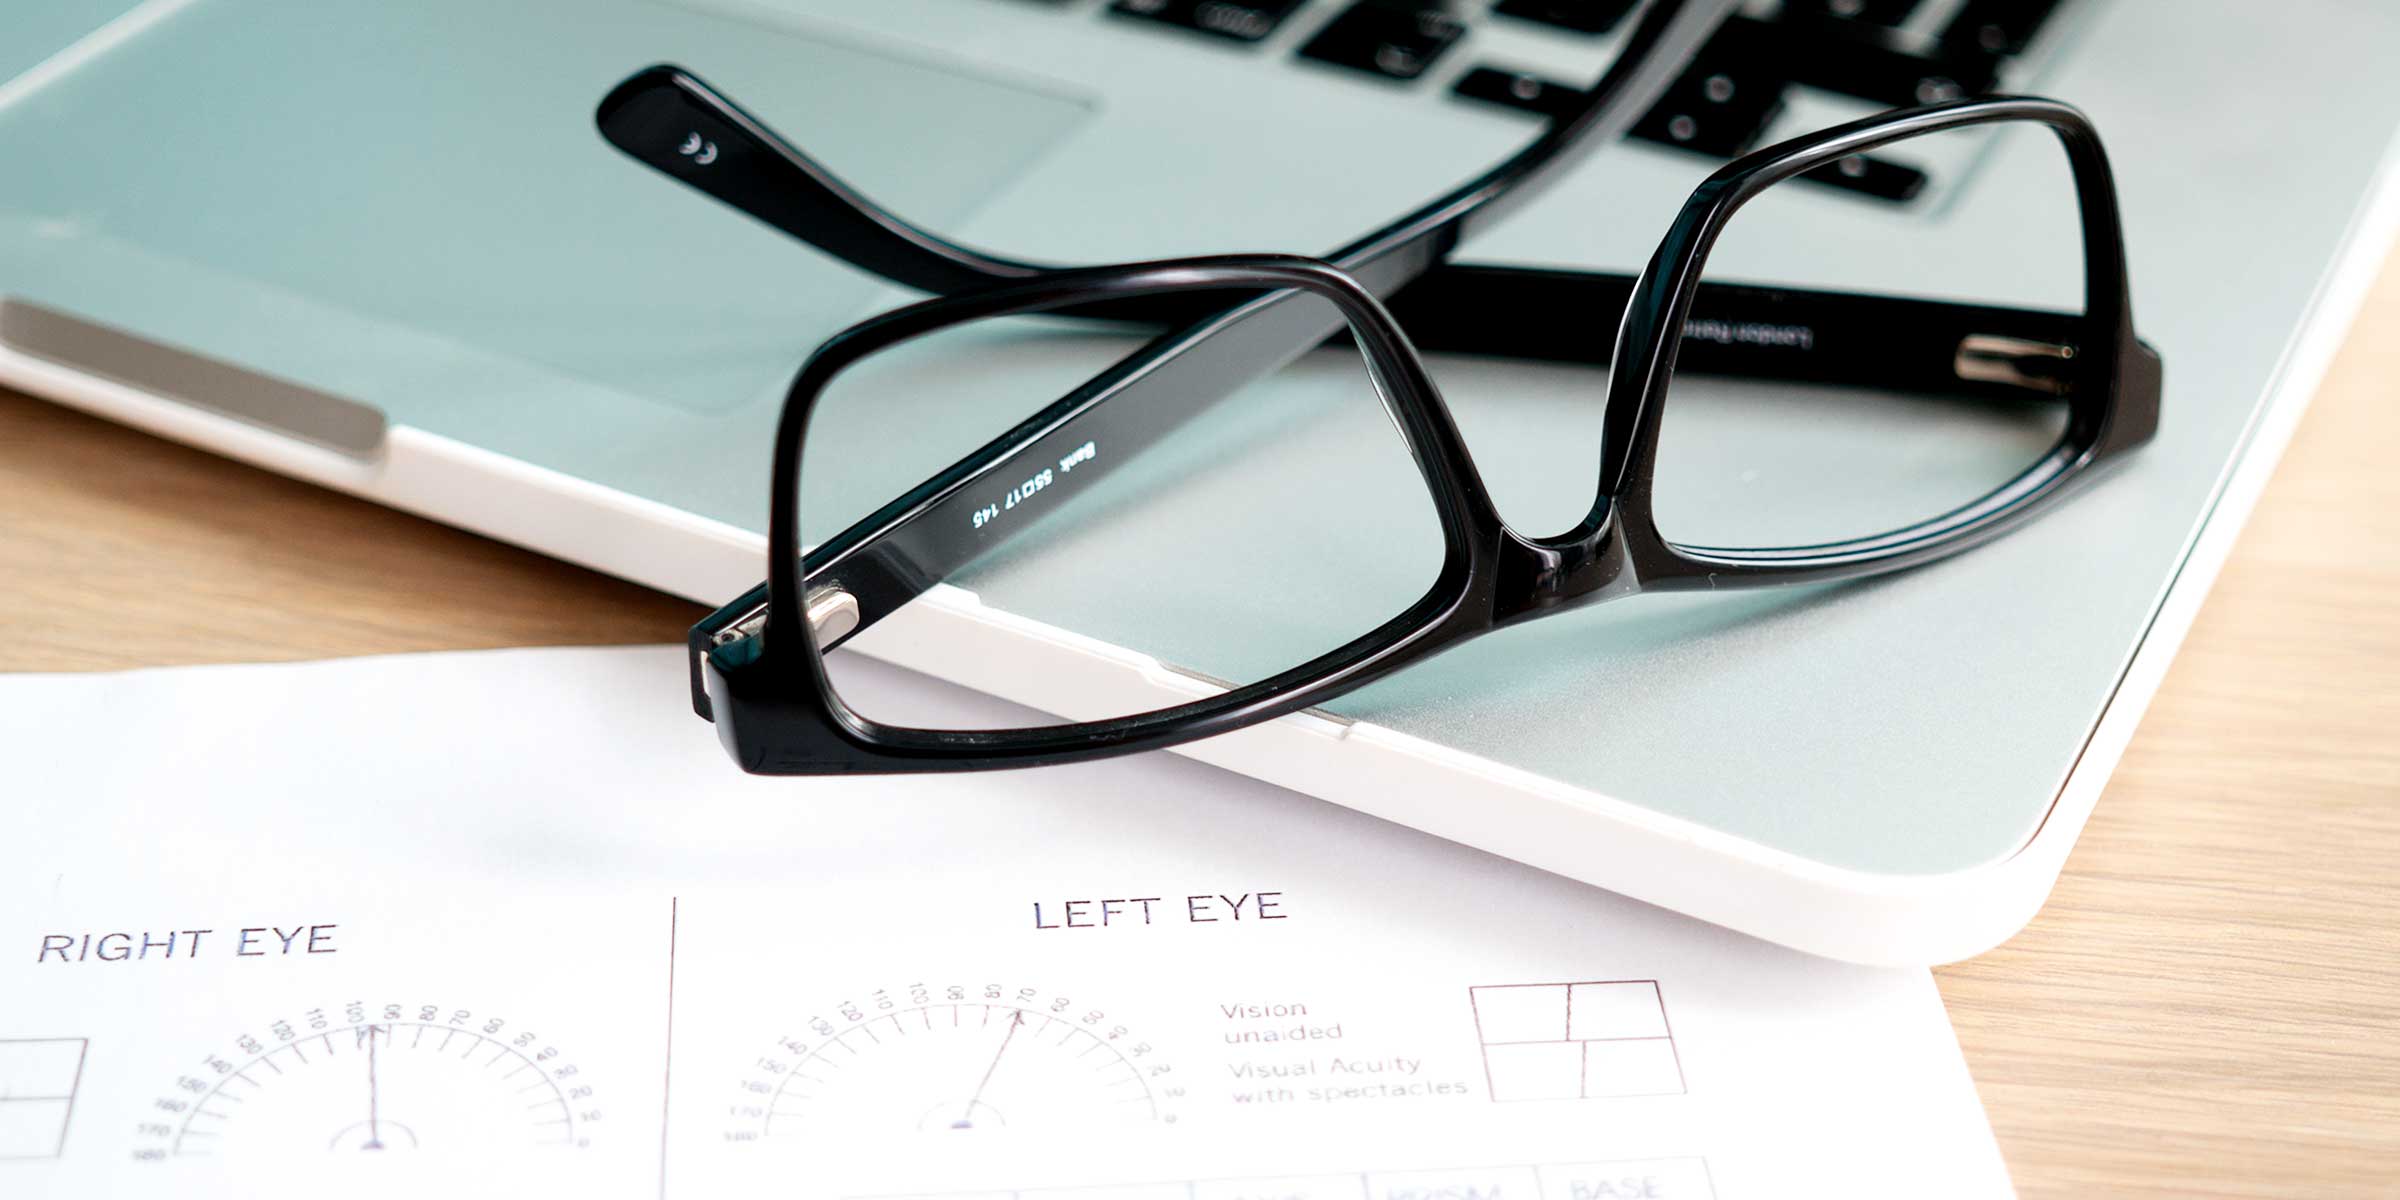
{"points": [[1588, 564]]}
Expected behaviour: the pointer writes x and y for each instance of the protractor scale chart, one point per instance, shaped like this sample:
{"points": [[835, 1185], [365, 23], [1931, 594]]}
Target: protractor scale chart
{"points": [[363, 1080], [954, 1060]]}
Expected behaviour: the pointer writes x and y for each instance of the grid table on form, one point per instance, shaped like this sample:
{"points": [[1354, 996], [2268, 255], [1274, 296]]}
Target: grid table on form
{"points": [[1576, 1041], [38, 1077]]}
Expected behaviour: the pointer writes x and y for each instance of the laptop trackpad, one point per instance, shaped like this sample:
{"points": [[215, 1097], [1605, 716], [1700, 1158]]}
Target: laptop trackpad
{"points": [[428, 174]]}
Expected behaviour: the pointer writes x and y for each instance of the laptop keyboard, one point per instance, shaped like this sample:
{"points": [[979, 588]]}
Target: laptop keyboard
{"points": [[1884, 53]]}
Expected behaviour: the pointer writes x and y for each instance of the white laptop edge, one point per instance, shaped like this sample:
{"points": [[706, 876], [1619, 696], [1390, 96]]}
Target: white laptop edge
{"points": [[1584, 835]]}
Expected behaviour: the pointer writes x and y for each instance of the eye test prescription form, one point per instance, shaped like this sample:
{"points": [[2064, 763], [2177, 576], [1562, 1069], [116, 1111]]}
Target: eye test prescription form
{"points": [[508, 923]]}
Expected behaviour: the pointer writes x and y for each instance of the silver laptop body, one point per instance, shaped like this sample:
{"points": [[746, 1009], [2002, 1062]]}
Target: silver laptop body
{"points": [[379, 246]]}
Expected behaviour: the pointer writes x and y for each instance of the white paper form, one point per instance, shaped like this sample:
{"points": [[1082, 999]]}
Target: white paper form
{"points": [[482, 923]]}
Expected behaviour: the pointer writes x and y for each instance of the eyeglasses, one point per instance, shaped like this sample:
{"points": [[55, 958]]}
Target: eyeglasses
{"points": [[1290, 363]]}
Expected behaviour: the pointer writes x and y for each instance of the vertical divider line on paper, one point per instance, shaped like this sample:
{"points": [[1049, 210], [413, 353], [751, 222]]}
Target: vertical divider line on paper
{"points": [[1490, 1091], [83, 1053], [666, 1096]]}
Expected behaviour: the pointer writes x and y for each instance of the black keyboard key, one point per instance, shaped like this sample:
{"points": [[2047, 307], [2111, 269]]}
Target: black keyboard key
{"points": [[1996, 27], [1397, 41], [1872, 12], [1722, 129], [1515, 89], [1240, 20], [1717, 111], [1873, 64], [1869, 176], [1724, 100], [1582, 16]]}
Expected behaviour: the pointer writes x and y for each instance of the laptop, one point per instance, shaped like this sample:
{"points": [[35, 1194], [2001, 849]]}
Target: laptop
{"points": [[382, 248]]}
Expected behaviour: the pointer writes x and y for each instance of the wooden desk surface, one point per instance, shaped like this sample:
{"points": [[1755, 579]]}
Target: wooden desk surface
{"points": [[2210, 1005]]}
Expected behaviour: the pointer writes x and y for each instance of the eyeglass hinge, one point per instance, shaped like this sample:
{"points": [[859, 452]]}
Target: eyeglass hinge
{"points": [[2014, 361], [832, 616]]}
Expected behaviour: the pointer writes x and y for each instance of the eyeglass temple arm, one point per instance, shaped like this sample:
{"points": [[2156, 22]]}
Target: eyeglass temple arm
{"points": [[676, 123], [882, 562], [1793, 335], [672, 121]]}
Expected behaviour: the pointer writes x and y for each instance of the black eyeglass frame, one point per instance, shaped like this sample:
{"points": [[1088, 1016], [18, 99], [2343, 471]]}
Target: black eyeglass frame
{"points": [[778, 713]]}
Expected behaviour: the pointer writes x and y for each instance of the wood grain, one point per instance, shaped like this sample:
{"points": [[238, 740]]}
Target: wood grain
{"points": [[121, 550], [2210, 1003], [2209, 1006]]}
